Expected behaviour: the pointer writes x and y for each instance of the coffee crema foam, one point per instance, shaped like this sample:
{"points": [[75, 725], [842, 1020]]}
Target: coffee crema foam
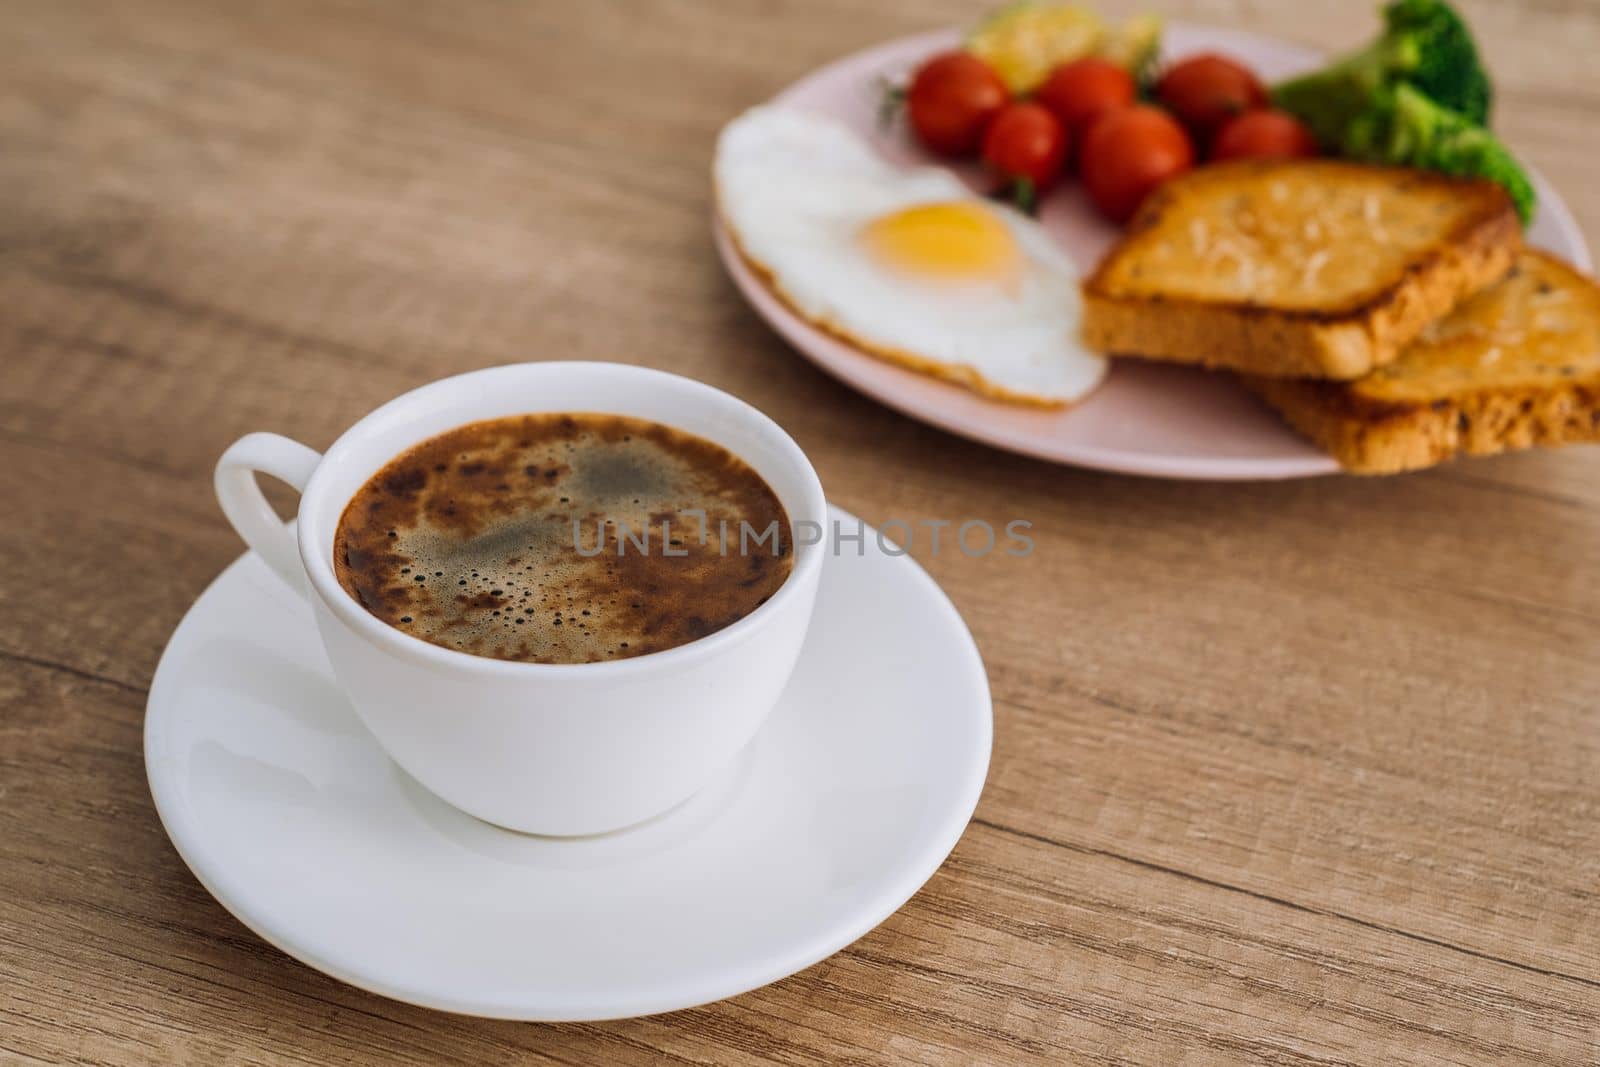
{"points": [[467, 539]]}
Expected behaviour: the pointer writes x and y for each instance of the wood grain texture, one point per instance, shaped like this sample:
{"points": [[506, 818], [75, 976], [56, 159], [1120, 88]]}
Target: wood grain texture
{"points": [[1303, 773]]}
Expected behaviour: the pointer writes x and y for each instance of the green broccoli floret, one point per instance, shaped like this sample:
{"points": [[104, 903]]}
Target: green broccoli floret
{"points": [[1424, 44], [1416, 97], [1403, 127]]}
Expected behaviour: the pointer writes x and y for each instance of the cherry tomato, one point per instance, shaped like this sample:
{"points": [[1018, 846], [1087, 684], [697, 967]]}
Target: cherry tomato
{"points": [[1025, 147], [951, 100], [1206, 91], [1079, 92], [1128, 153], [1263, 135]]}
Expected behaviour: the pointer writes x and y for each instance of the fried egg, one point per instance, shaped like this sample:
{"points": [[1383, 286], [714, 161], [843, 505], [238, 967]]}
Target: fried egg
{"points": [[906, 264]]}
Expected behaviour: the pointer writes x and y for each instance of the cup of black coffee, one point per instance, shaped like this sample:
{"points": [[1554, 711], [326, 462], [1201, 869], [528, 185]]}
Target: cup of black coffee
{"points": [[562, 596], [563, 538]]}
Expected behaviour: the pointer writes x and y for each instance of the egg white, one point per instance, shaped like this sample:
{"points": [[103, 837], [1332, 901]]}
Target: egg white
{"points": [[797, 189]]}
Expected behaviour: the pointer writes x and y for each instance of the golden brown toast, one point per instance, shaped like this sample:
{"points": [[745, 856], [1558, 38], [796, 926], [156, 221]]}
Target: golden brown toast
{"points": [[1515, 366], [1296, 268]]}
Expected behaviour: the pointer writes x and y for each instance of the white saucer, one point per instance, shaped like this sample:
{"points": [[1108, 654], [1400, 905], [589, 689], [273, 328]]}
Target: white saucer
{"points": [[844, 804]]}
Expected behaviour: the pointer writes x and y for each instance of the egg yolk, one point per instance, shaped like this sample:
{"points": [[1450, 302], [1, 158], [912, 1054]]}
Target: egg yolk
{"points": [[956, 241]]}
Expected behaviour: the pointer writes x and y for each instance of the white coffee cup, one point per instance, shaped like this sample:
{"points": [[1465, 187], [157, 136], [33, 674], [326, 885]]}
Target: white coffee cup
{"points": [[543, 748]]}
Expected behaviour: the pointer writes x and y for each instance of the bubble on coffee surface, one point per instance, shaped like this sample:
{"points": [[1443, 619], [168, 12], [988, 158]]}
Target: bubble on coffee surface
{"points": [[467, 540]]}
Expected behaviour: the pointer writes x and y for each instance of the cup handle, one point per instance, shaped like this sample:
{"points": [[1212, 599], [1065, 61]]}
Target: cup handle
{"points": [[247, 509]]}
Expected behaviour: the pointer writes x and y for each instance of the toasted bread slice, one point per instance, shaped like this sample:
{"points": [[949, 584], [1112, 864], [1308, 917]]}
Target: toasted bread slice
{"points": [[1296, 268], [1515, 366]]}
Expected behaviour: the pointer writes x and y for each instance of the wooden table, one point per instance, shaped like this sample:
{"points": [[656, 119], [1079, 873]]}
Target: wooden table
{"points": [[1300, 773]]}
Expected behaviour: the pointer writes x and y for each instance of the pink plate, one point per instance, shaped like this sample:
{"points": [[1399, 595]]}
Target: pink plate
{"points": [[1152, 419]]}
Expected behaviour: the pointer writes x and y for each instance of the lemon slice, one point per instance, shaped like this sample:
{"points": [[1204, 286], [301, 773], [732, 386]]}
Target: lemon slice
{"points": [[1026, 41], [1133, 44]]}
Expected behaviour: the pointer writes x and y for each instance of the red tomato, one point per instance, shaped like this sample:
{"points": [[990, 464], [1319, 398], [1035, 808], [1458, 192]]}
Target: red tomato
{"points": [[1263, 135], [1079, 92], [951, 100], [1128, 153], [1025, 146], [1206, 91]]}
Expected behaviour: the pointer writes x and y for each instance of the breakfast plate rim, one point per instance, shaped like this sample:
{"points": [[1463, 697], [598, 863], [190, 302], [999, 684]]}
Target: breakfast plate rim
{"points": [[815, 344]]}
